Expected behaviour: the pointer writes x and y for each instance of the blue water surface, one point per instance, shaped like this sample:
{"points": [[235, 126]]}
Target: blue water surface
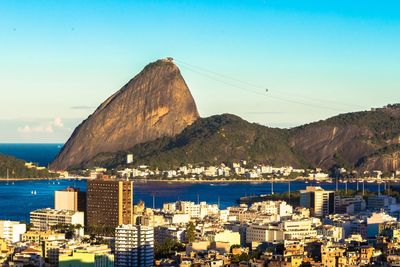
{"points": [[17, 200], [41, 154]]}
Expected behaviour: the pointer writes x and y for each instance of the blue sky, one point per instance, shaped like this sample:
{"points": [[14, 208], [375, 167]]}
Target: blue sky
{"points": [[61, 59]]}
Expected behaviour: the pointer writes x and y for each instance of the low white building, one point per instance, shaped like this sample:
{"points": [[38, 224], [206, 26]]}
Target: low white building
{"points": [[11, 231], [199, 211], [263, 233], [273, 207], [177, 218], [45, 219], [298, 229], [233, 238], [162, 233]]}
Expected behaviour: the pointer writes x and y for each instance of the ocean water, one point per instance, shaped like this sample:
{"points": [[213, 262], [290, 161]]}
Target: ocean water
{"points": [[41, 154], [17, 200]]}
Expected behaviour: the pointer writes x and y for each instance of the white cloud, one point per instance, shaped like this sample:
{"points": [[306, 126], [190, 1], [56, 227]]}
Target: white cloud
{"points": [[58, 122], [36, 129], [43, 127]]}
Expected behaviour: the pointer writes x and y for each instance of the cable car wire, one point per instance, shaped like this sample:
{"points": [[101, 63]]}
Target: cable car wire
{"points": [[221, 78]]}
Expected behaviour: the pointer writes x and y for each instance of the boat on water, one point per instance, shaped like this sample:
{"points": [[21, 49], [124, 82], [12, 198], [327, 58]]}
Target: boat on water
{"points": [[33, 192]]}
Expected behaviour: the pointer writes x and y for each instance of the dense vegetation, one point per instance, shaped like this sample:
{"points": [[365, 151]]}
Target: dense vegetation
{"points": [[17, 169], [293, 198], [168, 248], [225, 138]]}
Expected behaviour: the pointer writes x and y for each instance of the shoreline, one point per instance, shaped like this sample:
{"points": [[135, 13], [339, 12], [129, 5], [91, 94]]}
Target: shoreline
{"points": [[203, 181], [29, 179]]}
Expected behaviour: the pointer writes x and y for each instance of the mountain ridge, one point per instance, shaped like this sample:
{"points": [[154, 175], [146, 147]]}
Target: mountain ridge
{"points": [[335, 142]]}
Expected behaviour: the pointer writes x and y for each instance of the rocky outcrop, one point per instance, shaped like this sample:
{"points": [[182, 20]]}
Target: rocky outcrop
{"points": [[156, 103]]}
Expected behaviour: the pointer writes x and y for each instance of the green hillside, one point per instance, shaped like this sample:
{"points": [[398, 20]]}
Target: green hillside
{"points": [[17, 169]]}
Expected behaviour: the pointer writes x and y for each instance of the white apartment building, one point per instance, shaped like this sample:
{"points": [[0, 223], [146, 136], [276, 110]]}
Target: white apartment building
{"points": [[333, 233], [285, 230], [298, 229], [44, 219], [319, 201], [177, 218], [11, 231], [134, 246], [233, 238], [200, 210], [273, 207], [263, 233], [162, 233]]}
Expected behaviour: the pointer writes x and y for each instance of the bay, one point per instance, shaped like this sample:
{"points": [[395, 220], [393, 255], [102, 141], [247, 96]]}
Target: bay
{"points": [[17, 200]]}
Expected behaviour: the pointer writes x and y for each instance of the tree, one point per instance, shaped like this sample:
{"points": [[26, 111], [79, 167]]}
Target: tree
{"points": [[190, 232], [168, 248]]}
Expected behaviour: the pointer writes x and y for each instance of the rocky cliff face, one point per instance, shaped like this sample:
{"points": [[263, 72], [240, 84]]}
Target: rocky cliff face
{"points": [[156, 103], [367, 140]]}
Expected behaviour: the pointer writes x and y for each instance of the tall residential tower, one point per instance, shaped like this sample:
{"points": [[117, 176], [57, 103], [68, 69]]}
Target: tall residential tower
{"points": [[134, 246], [109, 202]]}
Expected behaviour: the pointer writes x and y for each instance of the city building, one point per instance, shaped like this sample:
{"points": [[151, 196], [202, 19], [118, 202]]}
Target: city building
{"points": [[134, 246], [298, 229], [109, 202], [280, 208], [42, 236], [376, 219], [129, 158], [45, 219], [70, 199], [11, 231], [233, 238], [319, 201], [349, 205], [163, 233], [263, 233], [380, 202], [93, 256], [199, 211]]}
